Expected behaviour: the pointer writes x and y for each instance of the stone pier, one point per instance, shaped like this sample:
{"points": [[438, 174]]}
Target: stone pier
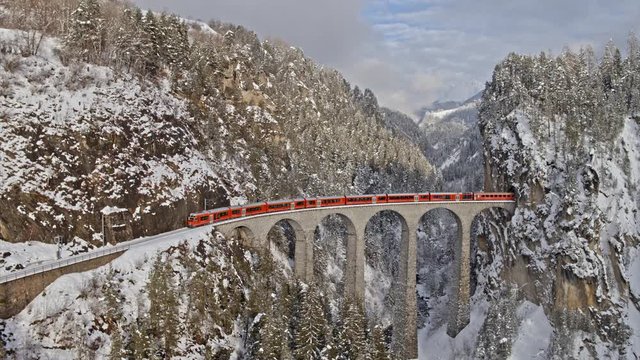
{"points": [[356, 218]]}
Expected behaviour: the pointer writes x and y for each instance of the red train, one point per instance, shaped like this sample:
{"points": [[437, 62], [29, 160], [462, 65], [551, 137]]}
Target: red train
{"points": [[228, 213]]}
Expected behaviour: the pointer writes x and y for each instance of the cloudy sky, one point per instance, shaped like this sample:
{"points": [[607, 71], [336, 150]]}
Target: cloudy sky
{"points": [[413, 52]]}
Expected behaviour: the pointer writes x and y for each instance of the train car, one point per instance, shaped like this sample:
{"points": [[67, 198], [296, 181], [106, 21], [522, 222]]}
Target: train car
{"points": [[444, 197], [467, 196], [299, 203], [358, 199], [331, 201], [493, 196], [255, 209], [282, 205], [236, 212], [221, 214], [311, 203], [199, 219], [380, 199], [402, 198]]}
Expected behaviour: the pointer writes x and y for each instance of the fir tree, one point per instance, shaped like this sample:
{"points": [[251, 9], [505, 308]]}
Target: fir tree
{"points": [[113, 315], [163, 311], [310, 339], [117, 345], [177, 46], [153, 40], [138, 348], [352, 335], [126, 40], [378, 349], [85, 38]]}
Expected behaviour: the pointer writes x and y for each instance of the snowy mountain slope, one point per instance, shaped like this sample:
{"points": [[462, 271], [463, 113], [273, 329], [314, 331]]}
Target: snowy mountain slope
{"points": [[73, 137], [455, 146], [237, 120], [572, 240]]}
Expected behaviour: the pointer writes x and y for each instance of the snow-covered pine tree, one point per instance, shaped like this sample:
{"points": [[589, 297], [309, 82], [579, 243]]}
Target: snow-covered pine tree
{"points": [[310, 339], [499, 328], [152, 44], [163, 311], [632, 75], [113, 314], [273, 344], [378, 349], [117, 344], [125, 40], [177, 45], [85, 38], [352, 341], [138, 347]]}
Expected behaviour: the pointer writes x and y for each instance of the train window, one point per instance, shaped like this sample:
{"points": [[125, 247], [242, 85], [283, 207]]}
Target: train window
{"points": [[254, 208], [204, 218], [236, 212]]}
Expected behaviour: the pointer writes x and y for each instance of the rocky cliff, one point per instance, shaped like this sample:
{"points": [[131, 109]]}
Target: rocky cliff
{"points": [[564, 135]]}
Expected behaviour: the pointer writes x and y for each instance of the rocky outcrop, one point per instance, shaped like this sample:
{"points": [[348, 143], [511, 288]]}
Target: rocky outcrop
{"points": [[577, 217]]}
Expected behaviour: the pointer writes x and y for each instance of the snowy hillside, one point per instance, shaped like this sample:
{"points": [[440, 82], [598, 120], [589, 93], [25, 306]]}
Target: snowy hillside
{"points": [[575, 165], [166, 113], [455, 145]]}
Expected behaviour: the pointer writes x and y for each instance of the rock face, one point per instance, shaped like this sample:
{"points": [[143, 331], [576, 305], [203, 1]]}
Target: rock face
{"points": [[577, 221], [236, 120]]}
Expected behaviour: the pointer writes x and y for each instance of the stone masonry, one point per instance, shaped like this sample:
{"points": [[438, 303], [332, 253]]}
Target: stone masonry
{"points": [[17, 294], [304, 223]]}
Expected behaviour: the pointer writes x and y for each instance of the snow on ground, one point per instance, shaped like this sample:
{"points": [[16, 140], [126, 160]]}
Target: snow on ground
{"points": [[200, 25], [437, 345], [534, 333], [532, 341]]}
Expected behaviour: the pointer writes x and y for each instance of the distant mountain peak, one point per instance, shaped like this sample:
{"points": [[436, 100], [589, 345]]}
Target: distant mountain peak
{"points": [[440, 106]]}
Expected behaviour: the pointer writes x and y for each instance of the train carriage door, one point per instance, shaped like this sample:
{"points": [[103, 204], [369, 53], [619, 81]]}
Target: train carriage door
{"points": [[458, 197]]}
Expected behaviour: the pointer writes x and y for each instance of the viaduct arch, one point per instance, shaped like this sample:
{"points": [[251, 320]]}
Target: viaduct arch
{"points": [[304, 222]]}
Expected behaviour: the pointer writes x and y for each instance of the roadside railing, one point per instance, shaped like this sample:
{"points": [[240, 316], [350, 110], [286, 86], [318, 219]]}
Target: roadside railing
{"points": [[56, 264]]}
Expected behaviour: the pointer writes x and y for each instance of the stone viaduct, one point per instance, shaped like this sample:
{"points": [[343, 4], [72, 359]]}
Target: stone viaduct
{"points": [[356, 218]]}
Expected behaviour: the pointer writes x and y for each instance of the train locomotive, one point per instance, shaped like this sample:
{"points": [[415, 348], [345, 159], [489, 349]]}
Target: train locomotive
{"points": [[228, 213]]}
